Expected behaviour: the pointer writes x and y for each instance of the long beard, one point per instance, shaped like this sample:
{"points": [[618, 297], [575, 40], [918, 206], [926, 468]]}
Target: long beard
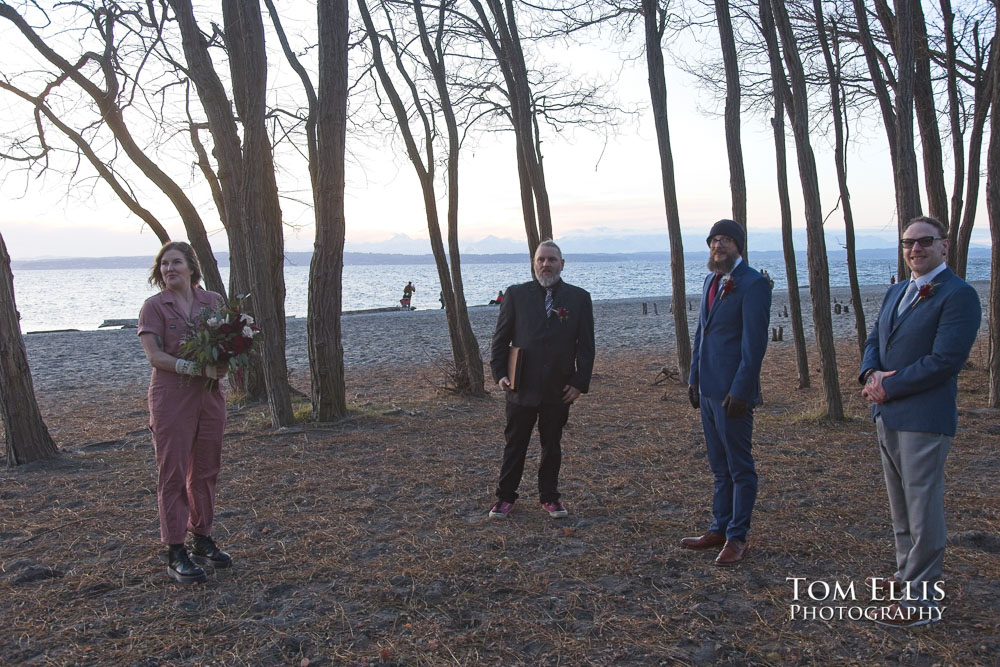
{"points": [[723, 266], [550, 280]]}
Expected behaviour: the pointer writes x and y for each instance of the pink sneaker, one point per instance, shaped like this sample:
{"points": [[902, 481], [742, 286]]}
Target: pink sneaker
{"points": [[555, 510], [501, 509]]}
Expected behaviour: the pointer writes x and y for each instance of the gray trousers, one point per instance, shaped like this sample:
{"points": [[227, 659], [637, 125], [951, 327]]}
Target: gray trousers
{"points": [[913, 464]]}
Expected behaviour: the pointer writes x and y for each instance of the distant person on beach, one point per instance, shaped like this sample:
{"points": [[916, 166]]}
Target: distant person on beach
{"points": [[550, 325], [408, 291], [892, 280], [919, 343], [186, 417], [728, 350], [497, 301], [441, 298]]}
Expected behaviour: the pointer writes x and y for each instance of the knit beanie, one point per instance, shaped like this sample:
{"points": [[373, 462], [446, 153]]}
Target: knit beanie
{"points": [[729, 228]]}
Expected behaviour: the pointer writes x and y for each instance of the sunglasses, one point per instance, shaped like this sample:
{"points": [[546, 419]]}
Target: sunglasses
{"points": [[925, 241]]}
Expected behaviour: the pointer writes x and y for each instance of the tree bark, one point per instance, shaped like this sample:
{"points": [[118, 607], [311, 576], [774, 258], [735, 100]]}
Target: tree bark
{"points": [[993, 210], [28, 438], [985, 85], [957, 131], [840, 158], [326, 349], [734, 147], [505, 42], [654, 27], [228, 153], [259, 205], [819, 272], [907, 180], [788, 246]]}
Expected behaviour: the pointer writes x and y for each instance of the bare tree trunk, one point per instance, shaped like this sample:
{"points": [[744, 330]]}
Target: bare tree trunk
{"points": [[504, 40], [788, 245], [469, 363], [326, 350], [28, 438], [469, 376], [654, 26], [734, 147], [840, 157], [228, 154], [259, 206], [907, 181], [957, 131], [819, 272], [993, 209], [881, 89], [927, 121], [984, 85]]}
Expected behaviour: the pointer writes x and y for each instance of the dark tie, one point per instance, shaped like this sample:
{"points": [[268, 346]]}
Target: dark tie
{"points": [[548, 301], [911, 293], [712, 289]]}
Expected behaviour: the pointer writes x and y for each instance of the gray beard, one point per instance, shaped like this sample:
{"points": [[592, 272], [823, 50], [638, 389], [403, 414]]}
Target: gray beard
{"points": [[548, 281], [725, 266]]}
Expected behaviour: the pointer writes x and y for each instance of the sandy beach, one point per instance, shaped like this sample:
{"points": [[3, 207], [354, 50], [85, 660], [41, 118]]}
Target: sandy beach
{"points": [[83, 360]]}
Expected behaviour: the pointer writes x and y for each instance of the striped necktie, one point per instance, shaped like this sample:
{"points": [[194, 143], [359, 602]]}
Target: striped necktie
{"points": [[548, 301], [911, 293]]}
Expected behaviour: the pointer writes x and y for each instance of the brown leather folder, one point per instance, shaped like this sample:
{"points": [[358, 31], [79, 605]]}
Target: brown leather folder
{"points": [[514, 363]]}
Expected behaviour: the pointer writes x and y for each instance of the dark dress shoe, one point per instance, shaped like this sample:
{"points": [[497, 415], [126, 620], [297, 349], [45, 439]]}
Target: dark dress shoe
{"points": [[732, 553], [706, 541], [182, 570], [204, 549]]}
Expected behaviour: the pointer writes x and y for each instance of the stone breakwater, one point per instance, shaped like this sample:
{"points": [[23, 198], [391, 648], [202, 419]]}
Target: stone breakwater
{"points": [[83, 360]]}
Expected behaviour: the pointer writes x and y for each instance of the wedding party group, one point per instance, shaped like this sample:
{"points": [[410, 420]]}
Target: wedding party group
{"points": [[542, 358]]}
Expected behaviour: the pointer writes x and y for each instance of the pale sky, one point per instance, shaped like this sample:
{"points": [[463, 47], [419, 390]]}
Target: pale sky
{"points": [[591, 185]]}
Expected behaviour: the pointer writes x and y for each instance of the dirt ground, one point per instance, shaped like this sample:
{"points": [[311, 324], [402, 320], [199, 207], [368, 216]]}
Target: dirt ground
{"points": [[367, 542]]}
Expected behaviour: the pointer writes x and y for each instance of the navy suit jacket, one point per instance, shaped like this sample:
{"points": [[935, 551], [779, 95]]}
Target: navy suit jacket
{"points": [[731, 338], [558, 350], [927, 345]]}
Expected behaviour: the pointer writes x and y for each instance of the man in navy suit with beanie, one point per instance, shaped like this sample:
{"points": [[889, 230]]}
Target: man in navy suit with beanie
{"points": [[920, 341], [724, 383]]}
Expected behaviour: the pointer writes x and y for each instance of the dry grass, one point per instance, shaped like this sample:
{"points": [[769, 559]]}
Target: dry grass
{"points": [[367, 541]]}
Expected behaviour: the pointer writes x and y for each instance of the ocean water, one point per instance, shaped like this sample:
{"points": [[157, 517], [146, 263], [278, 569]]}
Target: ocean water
{"points": [[50, 299]]}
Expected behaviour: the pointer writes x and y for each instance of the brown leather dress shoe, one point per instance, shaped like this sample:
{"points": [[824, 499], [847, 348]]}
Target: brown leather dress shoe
{"points": [[706, 541], [732, 553]]}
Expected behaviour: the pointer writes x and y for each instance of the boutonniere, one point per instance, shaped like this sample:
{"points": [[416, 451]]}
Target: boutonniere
{"points": [[925, 292], [562, 313], [728, 285]]}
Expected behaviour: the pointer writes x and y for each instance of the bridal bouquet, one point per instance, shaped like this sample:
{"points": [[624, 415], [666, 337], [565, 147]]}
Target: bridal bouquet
{"points": [[222, 335]]}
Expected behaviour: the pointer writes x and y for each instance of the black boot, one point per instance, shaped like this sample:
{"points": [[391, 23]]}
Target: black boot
{"points": [[181, 569], [203, 549]]}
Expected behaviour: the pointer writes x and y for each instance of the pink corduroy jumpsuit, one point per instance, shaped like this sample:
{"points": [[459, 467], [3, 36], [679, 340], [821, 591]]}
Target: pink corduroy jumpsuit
{"points": [[187, 421]]}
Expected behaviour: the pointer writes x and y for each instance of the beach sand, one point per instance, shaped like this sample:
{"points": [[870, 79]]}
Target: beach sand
{"points": [[367, 542]]}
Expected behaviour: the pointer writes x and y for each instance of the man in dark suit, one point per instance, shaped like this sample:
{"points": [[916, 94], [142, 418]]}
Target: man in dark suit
{"points": [[920, 341], [553, 325], [729, 347]]}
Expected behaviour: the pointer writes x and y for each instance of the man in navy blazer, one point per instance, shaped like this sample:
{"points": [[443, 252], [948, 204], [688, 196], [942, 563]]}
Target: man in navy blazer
{"points": [[552, 323], [920, 341], [729, 347]]}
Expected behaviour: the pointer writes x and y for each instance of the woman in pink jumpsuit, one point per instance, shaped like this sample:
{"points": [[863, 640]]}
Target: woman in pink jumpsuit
{"points": [[186, 417]]}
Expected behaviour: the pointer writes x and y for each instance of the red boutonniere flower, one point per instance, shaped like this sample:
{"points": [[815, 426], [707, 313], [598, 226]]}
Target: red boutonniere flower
{"points": [[562, 313], [925, 292], [728, 285]]}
